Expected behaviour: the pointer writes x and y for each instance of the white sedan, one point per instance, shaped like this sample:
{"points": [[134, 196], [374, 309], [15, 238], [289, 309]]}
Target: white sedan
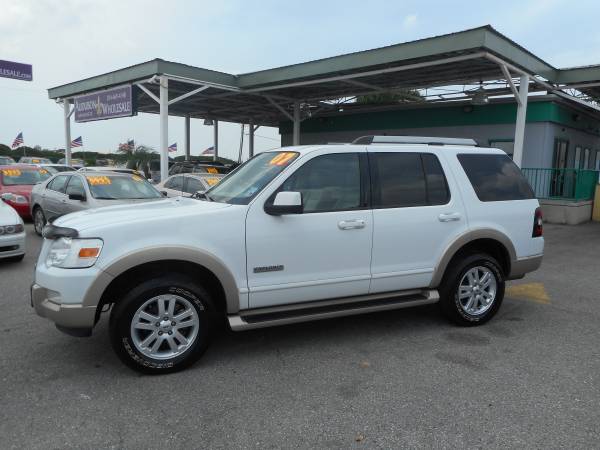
{"points": [[187, 184], [12, 234]]}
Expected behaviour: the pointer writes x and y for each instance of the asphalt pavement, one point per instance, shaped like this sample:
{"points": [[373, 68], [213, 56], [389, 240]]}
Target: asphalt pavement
{"points": [[404, 379]]}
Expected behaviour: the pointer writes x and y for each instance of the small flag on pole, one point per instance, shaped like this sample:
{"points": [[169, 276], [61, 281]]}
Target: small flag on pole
{"points": [[209, 151], [173, 147], [77, 142], [131, 144], [18, 140]]}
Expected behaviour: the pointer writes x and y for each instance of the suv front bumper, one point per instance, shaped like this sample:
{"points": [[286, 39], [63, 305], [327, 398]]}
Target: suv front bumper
{"points": [[73, 319]]}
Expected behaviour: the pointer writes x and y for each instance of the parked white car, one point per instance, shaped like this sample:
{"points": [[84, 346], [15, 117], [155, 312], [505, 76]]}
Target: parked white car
{"points": [[12, 234], [188, 184], [296, 234]]}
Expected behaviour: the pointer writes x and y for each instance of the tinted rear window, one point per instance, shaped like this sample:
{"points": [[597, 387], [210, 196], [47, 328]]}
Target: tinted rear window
{"points": [[407, 179], [495, 177]]}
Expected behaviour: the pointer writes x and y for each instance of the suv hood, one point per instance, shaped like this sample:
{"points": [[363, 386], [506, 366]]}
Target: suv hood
{"points": [[167, 210]]}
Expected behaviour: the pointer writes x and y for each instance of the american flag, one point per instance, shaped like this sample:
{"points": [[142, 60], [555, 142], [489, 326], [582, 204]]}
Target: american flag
{"points": [[77, 142], [130, 143], [209, 151], [173, 147], [18, 140]]}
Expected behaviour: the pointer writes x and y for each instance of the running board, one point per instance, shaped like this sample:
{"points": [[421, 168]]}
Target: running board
{"points": [[306, 312]]}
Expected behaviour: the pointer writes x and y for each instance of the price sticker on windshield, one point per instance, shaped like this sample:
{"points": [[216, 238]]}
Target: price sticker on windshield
{"points": [[211, 181], [35, 161], [282, 159], [43, 171], [137, 178], [98, 181], [212, 170], [11, 172]]}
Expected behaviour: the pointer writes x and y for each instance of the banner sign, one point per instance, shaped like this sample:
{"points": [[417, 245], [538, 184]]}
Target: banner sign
{"points": [[18, 71], [108, 104]]}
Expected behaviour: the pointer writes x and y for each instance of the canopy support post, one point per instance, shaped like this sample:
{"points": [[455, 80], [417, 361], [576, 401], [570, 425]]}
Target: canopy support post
{"points": [[164, 128], [296, 132], [251, 138], [67, 110], [216, 139], [520, 123], [187, 137]]}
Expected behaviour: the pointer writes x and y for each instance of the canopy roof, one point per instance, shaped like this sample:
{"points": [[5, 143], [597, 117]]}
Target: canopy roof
{"points": [[266, 97]]}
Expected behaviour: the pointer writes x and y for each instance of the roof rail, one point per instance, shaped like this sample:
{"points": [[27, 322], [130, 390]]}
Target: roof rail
{"points": [[367, 140]]}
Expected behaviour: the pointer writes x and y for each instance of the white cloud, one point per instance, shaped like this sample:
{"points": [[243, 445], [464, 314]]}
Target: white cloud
{"points": [[409, 21]]}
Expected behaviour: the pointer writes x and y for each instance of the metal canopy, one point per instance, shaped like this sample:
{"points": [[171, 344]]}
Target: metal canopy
{"points": [[295, 92], [458, 58]]}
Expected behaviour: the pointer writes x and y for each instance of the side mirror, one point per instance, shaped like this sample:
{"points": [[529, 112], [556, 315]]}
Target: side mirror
{"points": [[77, 196], [164, 193], [285, 203]]}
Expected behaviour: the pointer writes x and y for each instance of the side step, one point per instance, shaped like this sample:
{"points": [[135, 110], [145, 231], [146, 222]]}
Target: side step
{"points": [[305, 312]]}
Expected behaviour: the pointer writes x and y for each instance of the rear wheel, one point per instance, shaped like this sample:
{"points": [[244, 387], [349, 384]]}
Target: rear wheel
{"points": [[162, 325], [472, 290], [39, 220]]}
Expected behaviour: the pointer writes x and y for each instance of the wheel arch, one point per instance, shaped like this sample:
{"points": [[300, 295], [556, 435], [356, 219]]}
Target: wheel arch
{"points": [[492, 242], [132, 267]]}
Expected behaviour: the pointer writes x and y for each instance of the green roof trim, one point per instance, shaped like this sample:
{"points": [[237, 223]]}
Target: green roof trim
{"points": [[502, 113]]}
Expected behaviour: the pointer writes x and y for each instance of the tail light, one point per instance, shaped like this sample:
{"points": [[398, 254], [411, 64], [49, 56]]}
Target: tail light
{"points": [[538, 224]]}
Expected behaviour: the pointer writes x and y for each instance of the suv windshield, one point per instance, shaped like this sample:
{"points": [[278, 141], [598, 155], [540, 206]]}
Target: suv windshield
{"points": [[19, 177], [249, 179], [118, 187]]}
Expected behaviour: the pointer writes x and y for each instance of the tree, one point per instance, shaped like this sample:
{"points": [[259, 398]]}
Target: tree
{"points": [[397, 96]]}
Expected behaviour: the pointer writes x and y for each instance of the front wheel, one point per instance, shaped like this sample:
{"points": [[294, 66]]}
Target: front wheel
{"points": [[162, 325], [472, 290]]}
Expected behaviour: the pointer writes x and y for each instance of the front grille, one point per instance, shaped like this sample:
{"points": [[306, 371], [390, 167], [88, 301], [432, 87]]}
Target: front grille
{"points": [[9, 248]]}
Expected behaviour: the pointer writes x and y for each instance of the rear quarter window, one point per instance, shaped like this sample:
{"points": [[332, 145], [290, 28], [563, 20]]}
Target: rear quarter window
{"points": [[495, 177]]}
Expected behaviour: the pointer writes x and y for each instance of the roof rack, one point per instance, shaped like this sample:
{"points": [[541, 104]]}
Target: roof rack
{"points": [[367, 140]]}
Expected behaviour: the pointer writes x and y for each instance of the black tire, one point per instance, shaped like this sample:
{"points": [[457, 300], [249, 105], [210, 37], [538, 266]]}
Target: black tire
{"points": [[124, 311], [38, 211], [449, 289]]}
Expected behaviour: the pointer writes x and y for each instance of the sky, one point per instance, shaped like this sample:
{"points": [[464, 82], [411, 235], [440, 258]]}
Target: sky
{"points": [[67, 40]]}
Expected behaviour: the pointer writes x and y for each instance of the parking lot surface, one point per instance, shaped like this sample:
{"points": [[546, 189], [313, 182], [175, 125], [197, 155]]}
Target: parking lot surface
{"points": [[407, 378]]}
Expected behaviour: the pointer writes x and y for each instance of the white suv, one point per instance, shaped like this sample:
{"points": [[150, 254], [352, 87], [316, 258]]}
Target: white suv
{"points": [[297, 234]]}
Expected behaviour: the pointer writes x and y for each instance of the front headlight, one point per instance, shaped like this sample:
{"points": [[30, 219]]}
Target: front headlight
{"points": [[15, 198], [70, 253], [12, 229]]}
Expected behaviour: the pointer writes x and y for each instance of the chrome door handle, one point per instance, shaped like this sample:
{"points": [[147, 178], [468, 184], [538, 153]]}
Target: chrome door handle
{"points": [[450, 217], [351, 224]]}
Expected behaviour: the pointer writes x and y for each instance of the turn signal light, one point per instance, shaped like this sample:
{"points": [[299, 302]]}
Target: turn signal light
{"points": [[538, 223], [89, 252]]}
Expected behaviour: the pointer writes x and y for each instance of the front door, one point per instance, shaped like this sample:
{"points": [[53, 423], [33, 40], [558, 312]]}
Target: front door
{"points": [[322, 253], [55, 197]]}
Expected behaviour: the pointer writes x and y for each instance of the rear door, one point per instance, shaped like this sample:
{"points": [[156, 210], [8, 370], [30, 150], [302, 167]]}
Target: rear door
{"points": [[417, 213]]}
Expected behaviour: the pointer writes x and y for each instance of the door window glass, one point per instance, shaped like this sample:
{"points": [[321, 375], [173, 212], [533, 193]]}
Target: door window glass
{"points": [[75, 186], [437, 186], [59, 184], [175, 183], [193, 185], [327, 183], [400, 180]]}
